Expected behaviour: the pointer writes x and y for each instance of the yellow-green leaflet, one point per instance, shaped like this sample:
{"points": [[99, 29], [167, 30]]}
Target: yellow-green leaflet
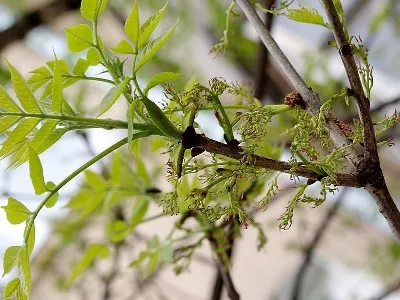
{"points": [[113, 95], [23, 92]]}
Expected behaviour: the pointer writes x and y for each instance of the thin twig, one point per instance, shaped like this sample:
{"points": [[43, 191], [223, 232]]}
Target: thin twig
{"points": [[350, 66], [310, 98], [310, 250]]}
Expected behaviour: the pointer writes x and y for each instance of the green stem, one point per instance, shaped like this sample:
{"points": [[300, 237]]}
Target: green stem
{"points": [[89, 78], [227, 126], [104, 123], [67, 180]]}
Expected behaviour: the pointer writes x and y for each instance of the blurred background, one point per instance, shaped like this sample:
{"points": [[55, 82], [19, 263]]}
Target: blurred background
{"points": [[340, 250]]}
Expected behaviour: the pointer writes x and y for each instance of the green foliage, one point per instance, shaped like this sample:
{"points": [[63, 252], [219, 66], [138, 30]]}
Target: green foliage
{"points": [[218, 190]]}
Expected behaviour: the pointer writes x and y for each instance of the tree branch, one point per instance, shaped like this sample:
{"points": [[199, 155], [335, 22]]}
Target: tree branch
{"points": [[310, 250], [193, 140], [310, 98], [369, 170]]}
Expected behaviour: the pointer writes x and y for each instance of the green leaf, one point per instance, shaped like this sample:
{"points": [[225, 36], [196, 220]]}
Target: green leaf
{"points": [[24, 271], [113, 94], [142, 170], [95, 181], [167, 254], [153, 243], [306, 15], [116, 169], [93, 57], [123, 47], [148, 27], [16, 212], [79, 37], [142, 256], [80, 67], [36, 172], [161, 78], [53, 199], [153, 261], [152, 48], [24, 94], [139, 211], [42, 136], [89, 8], [17, 135], [95, 250], [31, 239], [132, 24], [10, 259], [57, 87], [8, 121], [117, 230], [11, 288], [6, 102]]}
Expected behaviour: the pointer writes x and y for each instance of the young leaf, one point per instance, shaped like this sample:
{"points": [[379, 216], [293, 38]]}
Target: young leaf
{"points": [[95, 181], [160, 78], [112, 96], [53, 199], [79, 37], [152, 48], [36, 172], [123, 47], [24, 94], [167, 254], [24, 271], [95, 250], [139, 211], [16, 212], [148, 27], [306, 15], [80, 67], [11, 288], [93, 57], [89, 8], [132, 25], [31, 239], [10, 259], [6, 102], [116, 169], [8, 121], [57, 87], [17, 135]]}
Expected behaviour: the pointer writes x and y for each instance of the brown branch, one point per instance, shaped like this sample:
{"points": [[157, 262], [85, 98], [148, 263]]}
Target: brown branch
{"points": [[193, 140], [30, 20], [261, 78], [391, 289], [222, 268], [310, 250], [369, 170], [219, 279], [350, 66]]}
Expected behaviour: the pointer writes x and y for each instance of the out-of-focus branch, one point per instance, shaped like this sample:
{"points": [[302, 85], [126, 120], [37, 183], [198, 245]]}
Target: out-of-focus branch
{"points": [[40, 16], [310, 249], [261, 78]]}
